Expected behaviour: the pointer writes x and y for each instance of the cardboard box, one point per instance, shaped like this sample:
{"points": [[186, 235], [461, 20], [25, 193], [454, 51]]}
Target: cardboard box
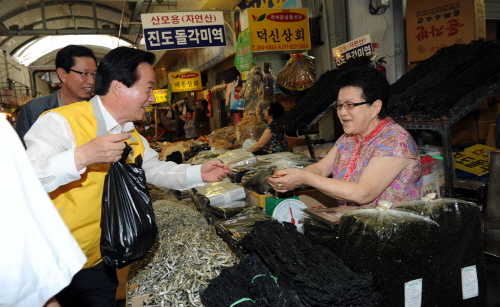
{"points": [[121, 290], [294, 142], [256, 199], [491, 139], [435, 24], [464, 130]]}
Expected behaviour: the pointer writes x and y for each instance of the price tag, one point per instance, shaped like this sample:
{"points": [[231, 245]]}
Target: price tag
{"points": [[413, 293], [470, 287]]}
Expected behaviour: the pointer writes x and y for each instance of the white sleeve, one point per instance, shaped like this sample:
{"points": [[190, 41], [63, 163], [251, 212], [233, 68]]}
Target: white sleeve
{"points": [[41, 256], [51, 145], [169, 174]]}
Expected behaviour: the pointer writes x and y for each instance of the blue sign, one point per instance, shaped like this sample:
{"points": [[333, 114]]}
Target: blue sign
{"points": [[185, 37]]}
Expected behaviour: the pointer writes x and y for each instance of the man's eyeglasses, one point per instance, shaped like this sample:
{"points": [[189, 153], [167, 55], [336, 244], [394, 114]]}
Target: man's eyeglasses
{"points": [[349, 105], [84, 75]]}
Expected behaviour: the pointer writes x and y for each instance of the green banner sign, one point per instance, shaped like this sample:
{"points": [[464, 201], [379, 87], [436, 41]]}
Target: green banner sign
{"points": [[243, 57]]}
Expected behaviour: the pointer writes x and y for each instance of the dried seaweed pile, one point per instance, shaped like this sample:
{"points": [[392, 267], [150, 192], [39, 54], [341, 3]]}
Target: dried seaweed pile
{"points": [[460, 246], [314, 272], [396, 247], [316, 101], [449, 84], [251, 284]]}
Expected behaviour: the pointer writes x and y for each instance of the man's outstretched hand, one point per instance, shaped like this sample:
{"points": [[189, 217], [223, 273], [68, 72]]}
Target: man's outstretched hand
{"points": [[214, 170]]}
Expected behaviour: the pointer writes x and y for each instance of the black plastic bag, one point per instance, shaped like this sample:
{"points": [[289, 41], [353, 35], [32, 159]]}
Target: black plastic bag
{"points": [[127, 223]]}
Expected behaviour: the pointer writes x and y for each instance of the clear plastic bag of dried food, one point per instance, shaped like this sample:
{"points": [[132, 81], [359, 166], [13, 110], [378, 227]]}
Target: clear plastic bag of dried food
{"points": [[243, 222], [253, 132], [128, 227], [460, 245], [238, 157], [220, 193], [224, 138], [206, 155], [257, 181], [373, 239]]}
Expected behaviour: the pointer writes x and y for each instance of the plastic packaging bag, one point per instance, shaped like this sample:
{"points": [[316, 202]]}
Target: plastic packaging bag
{"points": [[397, 247], [220, 193], [128, 223], [460, 246], [237, 157]]}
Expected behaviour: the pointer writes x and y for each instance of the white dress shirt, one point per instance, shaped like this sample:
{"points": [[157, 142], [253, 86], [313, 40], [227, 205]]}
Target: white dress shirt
{"points": [[39, 255], [51, 145]]}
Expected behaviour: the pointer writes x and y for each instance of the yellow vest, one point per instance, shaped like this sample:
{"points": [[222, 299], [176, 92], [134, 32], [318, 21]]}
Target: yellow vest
{"points": [[79, 202]]}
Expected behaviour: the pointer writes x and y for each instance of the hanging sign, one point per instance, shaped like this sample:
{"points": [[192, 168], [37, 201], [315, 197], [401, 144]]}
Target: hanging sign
{"points": [[185, 81], [356, 48], [279, 29], [183, 30], [161, 95], [243, 57]]}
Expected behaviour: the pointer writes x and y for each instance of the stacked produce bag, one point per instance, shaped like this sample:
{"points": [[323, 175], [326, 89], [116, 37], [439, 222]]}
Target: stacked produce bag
{"points": [[421, 253]]}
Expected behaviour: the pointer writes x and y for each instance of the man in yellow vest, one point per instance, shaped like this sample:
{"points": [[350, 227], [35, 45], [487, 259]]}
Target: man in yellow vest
{"points": [[71, 148]]}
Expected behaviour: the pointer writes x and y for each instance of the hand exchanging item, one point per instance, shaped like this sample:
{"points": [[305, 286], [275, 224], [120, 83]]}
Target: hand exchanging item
{"points": [[286, 179]]}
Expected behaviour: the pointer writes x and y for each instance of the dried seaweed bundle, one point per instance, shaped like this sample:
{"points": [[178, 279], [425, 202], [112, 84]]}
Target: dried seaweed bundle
{"points": [[317, 101], [251, 283], [450, 83], [315, 273], [396, 247], [460, 246], [257, 181]]}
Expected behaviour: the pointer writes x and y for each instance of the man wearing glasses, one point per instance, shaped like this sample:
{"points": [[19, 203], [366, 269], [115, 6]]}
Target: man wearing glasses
{"points": [[76, 67]]}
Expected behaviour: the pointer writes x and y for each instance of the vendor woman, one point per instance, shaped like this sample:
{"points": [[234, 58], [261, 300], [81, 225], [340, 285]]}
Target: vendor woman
{"points": [[270, 141], [375, 159]]}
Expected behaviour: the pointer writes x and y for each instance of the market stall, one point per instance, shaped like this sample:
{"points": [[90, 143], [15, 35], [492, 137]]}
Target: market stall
{"points": [[273, 247]]}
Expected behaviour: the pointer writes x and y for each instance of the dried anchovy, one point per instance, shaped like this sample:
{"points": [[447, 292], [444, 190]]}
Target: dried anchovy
{"points": [[186, 257]]}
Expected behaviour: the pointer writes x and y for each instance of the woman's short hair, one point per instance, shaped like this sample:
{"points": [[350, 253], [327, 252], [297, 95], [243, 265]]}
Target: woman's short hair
{"points": [[275, 110], [371, 81]]}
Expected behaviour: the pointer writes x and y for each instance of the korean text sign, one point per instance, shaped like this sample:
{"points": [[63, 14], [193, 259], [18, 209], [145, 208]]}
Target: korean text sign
{"points": [[474, 159], [185, 81], [161, 95], [183, 30], [279, 29], [358, 47], [434, 24], [243, 57]]}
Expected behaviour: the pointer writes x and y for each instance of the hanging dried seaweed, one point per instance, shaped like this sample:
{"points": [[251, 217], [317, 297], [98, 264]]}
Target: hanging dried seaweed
{"points": [[315, 273], [447, 85], [316, 101]]}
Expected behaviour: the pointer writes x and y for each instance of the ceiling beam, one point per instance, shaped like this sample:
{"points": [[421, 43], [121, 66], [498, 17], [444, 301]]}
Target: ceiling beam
{"points": [[27, 8], [80, 31]]}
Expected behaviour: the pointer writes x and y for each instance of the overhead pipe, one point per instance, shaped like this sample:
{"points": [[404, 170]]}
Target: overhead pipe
{"points": [[121, 21], [140, 28]]}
